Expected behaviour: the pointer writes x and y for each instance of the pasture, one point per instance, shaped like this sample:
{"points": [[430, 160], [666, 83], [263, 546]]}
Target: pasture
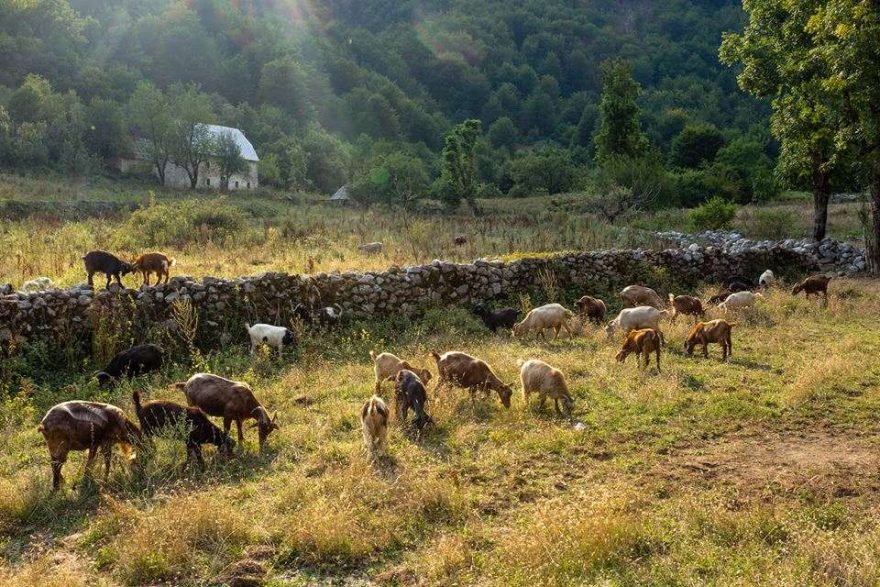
{"points": [[763, 470]]}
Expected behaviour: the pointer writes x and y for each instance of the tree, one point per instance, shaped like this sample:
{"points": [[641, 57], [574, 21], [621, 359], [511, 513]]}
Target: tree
{"points": [[192, 143], [503, 133], [458, 179], [619, 130], [695, 144], [106, 135], [228, 157], [149, 115], [779, 59], [549, 168], [398, 179]]}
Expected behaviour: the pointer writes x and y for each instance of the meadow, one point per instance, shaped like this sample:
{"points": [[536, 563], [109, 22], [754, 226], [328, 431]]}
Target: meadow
{"points": [[248, 234]]}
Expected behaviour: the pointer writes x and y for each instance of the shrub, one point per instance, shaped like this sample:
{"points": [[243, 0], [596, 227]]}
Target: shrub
{"points": [[179, 223], [767, 223], [714, 214]]}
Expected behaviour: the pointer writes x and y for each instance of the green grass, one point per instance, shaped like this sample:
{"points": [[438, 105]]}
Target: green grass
{"points": [[758, 471]]}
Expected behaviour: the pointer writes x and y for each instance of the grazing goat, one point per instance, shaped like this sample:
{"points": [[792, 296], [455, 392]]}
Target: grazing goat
{"points": [[738, 283], [739, 300], [687, 305], [495, 319], [539, 377], [631, 319], [720, 296], [461, 240], [594, 308], [387, 367], [717, 331], [109, 265], [410, 392], [371, 248], [274, 336], [470, 373], [135, 361], [813, 285], [767, 279], [327, 316], [37, 284], [552, 316], [641, 342], [156, 416], [638, 295], [157, 263], [230, 400], [374, 421], [81, 425]]}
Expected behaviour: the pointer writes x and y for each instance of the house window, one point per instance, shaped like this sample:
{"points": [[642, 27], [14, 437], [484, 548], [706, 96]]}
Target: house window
{"points": [[207, 181], [248, 185], [236, 185]]}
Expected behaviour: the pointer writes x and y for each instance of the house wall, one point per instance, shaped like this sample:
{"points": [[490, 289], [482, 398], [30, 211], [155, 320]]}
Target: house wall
{"points": [[209, 177]]}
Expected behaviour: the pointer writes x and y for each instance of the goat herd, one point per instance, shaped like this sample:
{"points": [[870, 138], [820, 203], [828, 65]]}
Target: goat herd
{"points": [[92, 426]]}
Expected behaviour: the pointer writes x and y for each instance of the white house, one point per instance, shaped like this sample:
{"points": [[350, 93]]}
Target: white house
{"points": [[209, 174]]}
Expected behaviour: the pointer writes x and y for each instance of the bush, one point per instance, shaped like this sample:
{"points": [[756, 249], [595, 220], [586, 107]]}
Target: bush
{"points": [[179, 223], [767, 223], [714, 214], [645, 178], [548, 169]]}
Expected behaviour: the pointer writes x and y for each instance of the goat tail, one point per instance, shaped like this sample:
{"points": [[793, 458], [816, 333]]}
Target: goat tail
{"points": [[731, 324], [247, 326], [41, 428], [373, 355], [136, 400], [520, 362], [435, 355], [172, 262], [181, 385], [671, 298]]}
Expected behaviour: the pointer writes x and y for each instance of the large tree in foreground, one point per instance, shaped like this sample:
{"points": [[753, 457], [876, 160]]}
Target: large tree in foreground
{"points": [[780, 60]]}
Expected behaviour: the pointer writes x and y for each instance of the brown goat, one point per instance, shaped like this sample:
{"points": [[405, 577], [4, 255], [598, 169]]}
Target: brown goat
{"points": [[813, 285], [234, 401], [687, 305], [717, 331], [641, 342], [470, 373], [594, 308], [460, 240], [387, 366], [374, 421], [81, 425], [157, 263]]}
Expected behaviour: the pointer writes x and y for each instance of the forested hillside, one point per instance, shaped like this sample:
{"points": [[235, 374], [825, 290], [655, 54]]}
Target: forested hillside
{"points": [[324, 88]]}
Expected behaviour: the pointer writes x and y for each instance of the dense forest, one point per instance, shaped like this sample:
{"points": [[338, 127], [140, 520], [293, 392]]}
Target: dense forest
{"points": [[346, 90]]}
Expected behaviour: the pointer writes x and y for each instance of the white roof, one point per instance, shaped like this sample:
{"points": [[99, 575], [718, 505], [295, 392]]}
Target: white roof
{"points": [[341, 194], [247, 149]]}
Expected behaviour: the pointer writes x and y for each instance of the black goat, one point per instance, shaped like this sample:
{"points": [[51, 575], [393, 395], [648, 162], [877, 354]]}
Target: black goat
{"points": [[327, 316], [132, 362], [495, 319], [108, 264], [409, 392], [156, 416]]}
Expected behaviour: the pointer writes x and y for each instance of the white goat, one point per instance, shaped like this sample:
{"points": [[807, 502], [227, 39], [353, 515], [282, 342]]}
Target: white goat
{"points": [[374, 419], [639, 295], [767, 279], [638, 318], [553, 316], [539, 377], [275, 336], [739, 300], [37, 284]]}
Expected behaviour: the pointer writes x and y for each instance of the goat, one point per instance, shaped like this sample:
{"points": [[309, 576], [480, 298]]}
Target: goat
{"points": [[495, 319], [639, 295], [230, 400], [539, 377], [327, 316], [108, 264], [374, 421], [37, 284], [132, 362], [410, 392], [739, 300], [157, 263], [687, 305], [371, 248], [813, 285], [387, 367], [717, 331], [641, 342], [460, 240], [720, 296], [552, 316], [631, 319], [738, 283], [470, 373], [594, 308], [767, 279], [81, 425], [275, 336], [156, 416]]}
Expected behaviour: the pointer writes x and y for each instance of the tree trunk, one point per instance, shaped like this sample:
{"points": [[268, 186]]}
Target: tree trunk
{"points": [[821, 192], [872, 241]]}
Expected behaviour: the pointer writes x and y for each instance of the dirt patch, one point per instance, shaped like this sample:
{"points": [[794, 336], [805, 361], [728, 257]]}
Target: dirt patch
{"points": [[823, 463]]}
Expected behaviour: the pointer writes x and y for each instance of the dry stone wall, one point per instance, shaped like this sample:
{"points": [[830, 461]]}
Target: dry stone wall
{"points": [[222, 305]]}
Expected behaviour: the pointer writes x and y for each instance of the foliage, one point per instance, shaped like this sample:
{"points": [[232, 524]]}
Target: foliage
{"points": [[191, 142], [227, 154], [548, 168], [714, 214], [397, 180], [176, 224], [458, 179], [619, 132], [696, 144]]}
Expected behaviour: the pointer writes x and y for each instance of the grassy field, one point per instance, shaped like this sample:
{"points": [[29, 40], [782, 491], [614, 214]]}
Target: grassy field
{"points": [[761, 471], [247, 234]]}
